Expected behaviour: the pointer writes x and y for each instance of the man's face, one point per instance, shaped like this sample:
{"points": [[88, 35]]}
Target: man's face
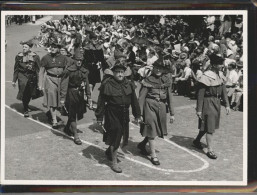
{"points": [[118, 74], [63, 52], [54, 49], [25, 48], [79, 63], [94, 41]]}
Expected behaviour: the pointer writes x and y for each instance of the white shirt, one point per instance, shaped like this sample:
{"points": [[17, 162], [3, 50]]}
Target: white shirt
{"points": [[232, 77], [188, 72]]}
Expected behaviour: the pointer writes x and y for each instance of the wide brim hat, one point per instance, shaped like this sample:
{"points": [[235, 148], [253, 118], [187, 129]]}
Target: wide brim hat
{"points": [[118, 65], [55, 43], [78, 57], [159, 64], [239, 64], [216, 60], [183, 56], [156, 42], [29, 43], [92, 35]]}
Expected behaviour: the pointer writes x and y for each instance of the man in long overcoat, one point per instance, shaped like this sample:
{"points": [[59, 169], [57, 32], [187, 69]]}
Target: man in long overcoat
{"points": [[26, 70], [117, 94]]}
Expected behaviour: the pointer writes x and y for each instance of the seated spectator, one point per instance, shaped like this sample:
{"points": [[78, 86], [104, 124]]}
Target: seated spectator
{"points": [[236, 100], [232, 79]]}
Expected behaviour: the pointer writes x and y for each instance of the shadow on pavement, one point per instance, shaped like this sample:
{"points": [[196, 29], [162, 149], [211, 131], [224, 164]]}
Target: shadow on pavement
{"points": [[61, 135], [186, 142], [94, 153], [19, 107], [41, 116], [131, 148], [96, 128]]}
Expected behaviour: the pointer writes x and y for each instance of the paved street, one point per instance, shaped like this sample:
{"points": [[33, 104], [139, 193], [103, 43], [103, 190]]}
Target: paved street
{"points": [[35, 152]]}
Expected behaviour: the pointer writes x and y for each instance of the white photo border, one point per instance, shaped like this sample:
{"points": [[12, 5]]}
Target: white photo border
{"points": [[244, 13]]}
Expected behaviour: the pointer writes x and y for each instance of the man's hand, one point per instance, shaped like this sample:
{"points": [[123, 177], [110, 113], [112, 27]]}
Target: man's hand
{"points": [[139, 120], [62, 102], [172, 119], [227, 110], [40, 88], [99, 123], [90, 103], [13, 84], [199, 114]]}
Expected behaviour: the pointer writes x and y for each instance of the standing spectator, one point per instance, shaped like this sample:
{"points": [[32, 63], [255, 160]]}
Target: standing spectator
{"points": [[93, 60], [232, 79]]}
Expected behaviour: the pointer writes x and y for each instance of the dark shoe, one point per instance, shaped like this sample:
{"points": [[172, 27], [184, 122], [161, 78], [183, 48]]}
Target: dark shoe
{"points": [[142, 149], [197, 144], [155, 161], [108, 154], [55, 126], [77, 141], [26, 114], [212, 155], [116, 168]]}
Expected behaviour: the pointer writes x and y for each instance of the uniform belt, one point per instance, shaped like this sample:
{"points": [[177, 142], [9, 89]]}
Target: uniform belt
{"points": [[75, 88], [54, 75], [119, 105], [212, 95], [157, 99]]}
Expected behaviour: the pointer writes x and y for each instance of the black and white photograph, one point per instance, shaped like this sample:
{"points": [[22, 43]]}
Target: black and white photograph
{"points": [[124, 97]]}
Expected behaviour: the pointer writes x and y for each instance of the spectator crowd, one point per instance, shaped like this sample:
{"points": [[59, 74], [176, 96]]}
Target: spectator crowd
{"points": [[184, 43]]}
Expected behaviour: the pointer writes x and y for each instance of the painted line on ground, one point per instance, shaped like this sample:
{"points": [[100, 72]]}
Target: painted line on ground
{"points": [[206, 164]]}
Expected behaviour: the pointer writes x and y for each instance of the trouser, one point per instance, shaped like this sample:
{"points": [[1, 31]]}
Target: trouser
{"points": [[27, 96]]}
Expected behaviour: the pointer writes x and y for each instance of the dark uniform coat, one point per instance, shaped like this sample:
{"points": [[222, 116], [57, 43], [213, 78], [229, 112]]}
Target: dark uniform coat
{"points": [[26, 70], [154, 96], [92, 56], [73, 86], [113, 104], [211, 90]]}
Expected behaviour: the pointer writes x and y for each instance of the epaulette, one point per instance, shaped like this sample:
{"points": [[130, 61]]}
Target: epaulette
{"points": [[20, 54], [210, 78], [32, 54]]}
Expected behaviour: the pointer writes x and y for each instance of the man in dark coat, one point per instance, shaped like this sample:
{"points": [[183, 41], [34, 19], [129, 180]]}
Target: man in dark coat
{"points": [[116, 96], [211, 90], [73, 86], [26, 70], [94, 60]]}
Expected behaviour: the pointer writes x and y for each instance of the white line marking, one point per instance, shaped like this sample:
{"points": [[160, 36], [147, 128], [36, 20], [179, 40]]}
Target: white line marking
{"points": [[206, 164]]}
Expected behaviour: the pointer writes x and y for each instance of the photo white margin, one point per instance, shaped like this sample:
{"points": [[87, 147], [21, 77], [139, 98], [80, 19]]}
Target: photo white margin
{"points": [[114, 182]]}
